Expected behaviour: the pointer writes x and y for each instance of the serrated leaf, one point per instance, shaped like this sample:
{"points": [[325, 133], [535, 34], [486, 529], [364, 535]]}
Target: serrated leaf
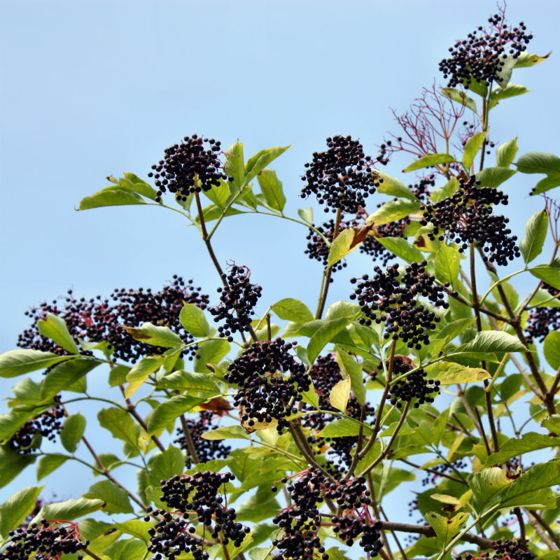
{"points": [[393, 187], [472, 147], [18, 362], [210, 352], [323, 335], [541, 162], [140, 372], [446, 191], [194, 320], [550, 274], [12, 464], [401, 248], [271, 188], [65, 375], [340, 394], [49, 464], [193, 383], [526, 59], [353, 371], [392, 211], [111, 196], [226, 432], [262, 159], [551, 349], [306, 214], [16, 508], [342, 427], [115, 499], [341, 246], [72, 431], [528, 442], [55, 329], [235, 165], [506, 152], [447, 263], [155, 335], [429, 161], [167, 412], [460, 97], [494, 176], [294, 310], [69, 509], [120, 424], [450, 373], [493, 341], [531, 245]]}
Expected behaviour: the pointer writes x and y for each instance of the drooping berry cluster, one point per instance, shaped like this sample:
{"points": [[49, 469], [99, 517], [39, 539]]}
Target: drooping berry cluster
{"points": [[543, 320], [301, 520], [341, 177], [504, 550], [98, 319], [200, 496], [43, 541], [467, 217], [437, 471], [191, 166], [46, 425], [395, 299], [270, 380], [238, 299], [206, 450], [483, 55], [325, 374], [318, 250]]}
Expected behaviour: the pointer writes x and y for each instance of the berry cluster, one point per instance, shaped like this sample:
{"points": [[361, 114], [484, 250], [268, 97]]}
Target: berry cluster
{"points": [[43, 541], [438, 470], [301, 520], [543, 320], [98, 319], [341, 177], [325, 374], [483, 55], [270, 380], [394, 299], [189, 167], [206, 450], [46, 425], [318, 250], [238, 299], [188, 496], [504, 550], [467, 217]]}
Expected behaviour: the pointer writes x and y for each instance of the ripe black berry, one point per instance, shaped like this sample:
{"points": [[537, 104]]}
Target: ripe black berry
{"points": [[270, 381], [394, 299], [238, 299], [191, 166], [341, 177], [543, 320]]}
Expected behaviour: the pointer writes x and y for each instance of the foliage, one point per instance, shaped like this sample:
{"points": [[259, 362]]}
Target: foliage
{"points": [[282, 433]]}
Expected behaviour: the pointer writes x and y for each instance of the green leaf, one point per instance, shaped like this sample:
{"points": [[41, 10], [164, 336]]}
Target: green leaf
{"points": [[120, 424], [429, 161], [526, 60], [193, 383], [550, 274], [117, 375], [271, 188], [472, 147], [49, 464], [340, 394], [65, 375], [538, 162], [260, 160], [69, 509], [531, 245], [306, 214], [12, 464], [115, 498], [194, 320], [506, 152], [494, 176], [226, 432], [323, 335], [167, 412], [294, 310], [401, 248], [353, 370], [450, 373], [493, 341], [55, 328], [341, 246], [510, 90], [219, 194], [235, 166], [393, 187], [528, 442], [133, 183], [392, 211], [446, 527], [342, 427], [210, 352], [551, 349], [447, 263], [446, 191], [16, 508], [72, 431], [155, 335], [486, 485], [166, 464], [17, 362], [460, 97], [111, 196], [140, 372]]}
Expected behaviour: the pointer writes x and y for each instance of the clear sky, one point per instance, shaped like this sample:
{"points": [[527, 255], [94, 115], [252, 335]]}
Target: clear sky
{"points": [[90, 88]]}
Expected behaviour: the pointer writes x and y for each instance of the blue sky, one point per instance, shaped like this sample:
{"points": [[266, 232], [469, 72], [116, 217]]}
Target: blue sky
{"points": [[92, 88]]}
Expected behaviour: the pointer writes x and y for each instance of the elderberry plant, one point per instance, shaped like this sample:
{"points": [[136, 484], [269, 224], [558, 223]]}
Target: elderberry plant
{"points": [[264, 429]]}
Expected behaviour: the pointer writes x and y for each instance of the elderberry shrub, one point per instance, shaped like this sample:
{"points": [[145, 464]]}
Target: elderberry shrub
{"points": [[200, 493], [189, 167], [504, 550], [325, 374], [394, 299], [484, 54], [270, 381], [543, 320], [341, 177], [206, 450], [414, 386], [301, 519], [467, 217], [98, 319], [238, 299], [47, 425], [43, 541]]}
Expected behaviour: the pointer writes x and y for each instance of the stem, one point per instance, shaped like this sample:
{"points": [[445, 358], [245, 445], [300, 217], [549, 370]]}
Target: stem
{"points": [[206, 238], [189, 440], [92, 554]]}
